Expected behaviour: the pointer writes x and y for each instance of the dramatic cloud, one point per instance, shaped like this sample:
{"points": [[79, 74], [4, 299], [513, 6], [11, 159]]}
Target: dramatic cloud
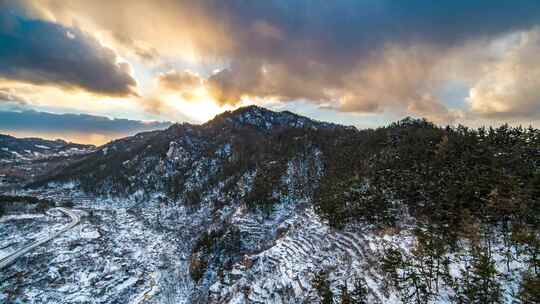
{"points": [[511, 87], [169, 27], [351, 56], [42, 52], [183, 83], [7, 95], [73, 126]]}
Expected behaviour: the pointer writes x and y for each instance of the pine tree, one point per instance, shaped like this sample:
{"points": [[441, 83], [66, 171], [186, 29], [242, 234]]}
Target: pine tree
{"points": [[530, 289], [530, 243], [345, 296], [392, 261], [480, 285], [321, 284], [360, 292]]}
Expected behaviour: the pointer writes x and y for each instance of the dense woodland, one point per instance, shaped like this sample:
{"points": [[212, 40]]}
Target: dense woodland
{"points": [[452, 186]]}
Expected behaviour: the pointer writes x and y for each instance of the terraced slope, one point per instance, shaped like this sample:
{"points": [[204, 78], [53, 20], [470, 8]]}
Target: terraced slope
{"points": [[284, 272]]}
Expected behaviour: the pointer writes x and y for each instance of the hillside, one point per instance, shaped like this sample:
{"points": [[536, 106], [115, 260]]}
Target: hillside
{"points": [[23, 159], [258, 206], [13, 149]]}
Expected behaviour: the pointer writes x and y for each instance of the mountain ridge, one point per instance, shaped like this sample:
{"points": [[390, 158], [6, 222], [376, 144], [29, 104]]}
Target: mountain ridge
{"points": [[30, 150], [265, 118], [267, 207]]}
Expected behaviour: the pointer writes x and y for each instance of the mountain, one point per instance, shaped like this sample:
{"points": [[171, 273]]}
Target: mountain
{"points": [[228, 146], [22, 159], [257, 206], [12, 148]]}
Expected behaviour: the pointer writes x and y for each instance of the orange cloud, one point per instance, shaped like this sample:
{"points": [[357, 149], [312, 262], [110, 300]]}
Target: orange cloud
{"points": [[349, 56], [510, 87]]}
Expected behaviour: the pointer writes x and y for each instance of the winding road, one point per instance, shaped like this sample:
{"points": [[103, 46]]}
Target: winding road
{"points": [[75, 219]]}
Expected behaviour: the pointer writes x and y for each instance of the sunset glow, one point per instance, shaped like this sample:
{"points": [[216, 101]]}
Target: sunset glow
{"points": [[185, 61]]}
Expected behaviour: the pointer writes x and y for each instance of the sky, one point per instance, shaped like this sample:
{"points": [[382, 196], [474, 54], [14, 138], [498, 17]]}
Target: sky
{"points": [[96, 70]]}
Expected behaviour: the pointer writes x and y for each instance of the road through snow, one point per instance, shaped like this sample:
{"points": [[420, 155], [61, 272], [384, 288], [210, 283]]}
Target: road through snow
{"points": [[75, 219]]}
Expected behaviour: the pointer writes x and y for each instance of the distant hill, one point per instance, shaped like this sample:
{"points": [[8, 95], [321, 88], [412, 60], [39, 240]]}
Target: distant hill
{"points": [[12, 148], [24, 159]]}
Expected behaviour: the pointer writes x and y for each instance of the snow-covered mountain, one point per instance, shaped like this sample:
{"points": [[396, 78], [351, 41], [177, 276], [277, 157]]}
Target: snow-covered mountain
{"points": [[257, 206], [23, 159], [186, 160], [13, 149]]}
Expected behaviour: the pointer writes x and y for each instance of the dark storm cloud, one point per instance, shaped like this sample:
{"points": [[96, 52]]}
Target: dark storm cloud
{"points": [[360, 56], [42, 52], [57, 123], [334, 33], [340, 31], [351, 55]]}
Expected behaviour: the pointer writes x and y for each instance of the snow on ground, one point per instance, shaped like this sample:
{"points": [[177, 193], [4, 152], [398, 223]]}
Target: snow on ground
{"points": [[127, 251], [113, 255], [21, 229], [14, 217]]}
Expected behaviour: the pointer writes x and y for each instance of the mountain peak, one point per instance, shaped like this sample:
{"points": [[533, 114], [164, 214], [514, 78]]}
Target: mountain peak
{"points": [[252, 108], [266, 119]]}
